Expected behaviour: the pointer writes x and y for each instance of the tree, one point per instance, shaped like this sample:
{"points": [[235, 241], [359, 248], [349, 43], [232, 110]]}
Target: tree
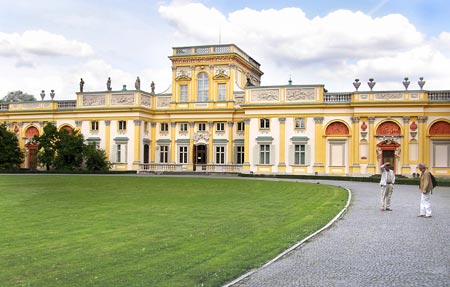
{"points": [[47, 144], [10, 156], [66, 150], [95, 158], [17, 96], [69, 148]]}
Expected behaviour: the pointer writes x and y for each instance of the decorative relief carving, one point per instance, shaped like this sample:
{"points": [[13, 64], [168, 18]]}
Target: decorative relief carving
{"points": [[30, 105], [363, 96], [239, 99], [336, 128], [440, 128], [388, 128], [162, 102], [146, 101], [300, 94], [122, 99], [184, 73], [265, 95], [318, 120], [221, 71], [94, 100], [389, 96], [201, 137], [414, 96]]}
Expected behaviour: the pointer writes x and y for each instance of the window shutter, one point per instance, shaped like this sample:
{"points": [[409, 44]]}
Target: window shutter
{"points": [[234, 154], [307, 154], [255, 159], [272, 154], [291, 155]]}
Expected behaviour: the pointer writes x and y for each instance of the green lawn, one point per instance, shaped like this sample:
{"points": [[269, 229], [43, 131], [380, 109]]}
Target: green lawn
{"points": [[151, 231]]}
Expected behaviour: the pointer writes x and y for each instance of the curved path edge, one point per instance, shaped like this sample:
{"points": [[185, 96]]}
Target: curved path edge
{"points": [[297, 245]]}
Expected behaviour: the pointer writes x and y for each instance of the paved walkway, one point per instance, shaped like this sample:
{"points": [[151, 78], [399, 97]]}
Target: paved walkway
{"points": [[368, 247]]}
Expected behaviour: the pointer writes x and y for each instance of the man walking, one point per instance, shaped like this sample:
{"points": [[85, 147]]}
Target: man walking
{"points": [[387, 186], [426, 186]]}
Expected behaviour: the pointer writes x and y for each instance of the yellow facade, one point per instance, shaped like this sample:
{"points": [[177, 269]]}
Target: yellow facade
{"points": [[219, 118]]}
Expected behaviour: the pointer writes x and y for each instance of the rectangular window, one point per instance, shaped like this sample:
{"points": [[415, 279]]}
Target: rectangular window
{"points": [[222, 89], [240, 155], [202, 127], [220, 154], [300, 154], [240, 126], [183, 154], [122, 125], [264, 124], [220, 127], [184, 127], [183, 93], [94, 125], [121, 153], [299, 123], [164, 127], [164, 154], [264, 156]]}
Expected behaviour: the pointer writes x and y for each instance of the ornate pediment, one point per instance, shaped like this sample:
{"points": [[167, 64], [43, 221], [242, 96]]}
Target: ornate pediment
{"points": [[221, 73], [184, 74], [221, 76]]}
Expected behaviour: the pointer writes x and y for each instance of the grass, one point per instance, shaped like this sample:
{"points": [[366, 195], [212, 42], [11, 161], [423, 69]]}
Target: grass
{"points": [[151, 231]]}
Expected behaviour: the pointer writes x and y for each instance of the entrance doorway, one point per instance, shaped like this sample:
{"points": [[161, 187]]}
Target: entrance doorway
{"points": [[200, 152], [389, 156], [32, 155]]}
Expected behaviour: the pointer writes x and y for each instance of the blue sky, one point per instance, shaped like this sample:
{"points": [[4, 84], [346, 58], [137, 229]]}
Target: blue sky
{"points": [[50, 44]]}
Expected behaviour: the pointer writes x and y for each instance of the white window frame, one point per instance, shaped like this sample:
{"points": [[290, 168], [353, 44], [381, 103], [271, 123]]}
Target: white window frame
{"points": [[221, 92], [183, 127], [240, 126], [163, 154], [164, 127], [202, 126], [264, 124], [299, 123], [202, 87], [122, 125], [121, 150], [220, 127], [220, 154], [183, 154], [183, 93], [94, 126], [264, 153], [240, 154]]}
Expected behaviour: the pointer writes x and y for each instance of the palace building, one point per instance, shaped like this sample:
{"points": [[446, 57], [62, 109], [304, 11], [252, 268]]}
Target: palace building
{"points": [[219, 118]]}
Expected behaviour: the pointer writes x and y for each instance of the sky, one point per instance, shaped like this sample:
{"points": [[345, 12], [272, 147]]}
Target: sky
{"points": [[51, 44]]}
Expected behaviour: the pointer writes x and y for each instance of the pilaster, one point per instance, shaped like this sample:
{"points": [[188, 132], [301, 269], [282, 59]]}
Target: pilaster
{"points": [[230, 143], [319, 150], [137, 144], [282, 149], [406, 169], [108, 139], [173, 145], [246, 166], [153, 142], [372, 146]]}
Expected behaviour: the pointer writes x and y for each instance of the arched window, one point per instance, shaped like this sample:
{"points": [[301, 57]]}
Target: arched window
{"points": [[202, 87]]}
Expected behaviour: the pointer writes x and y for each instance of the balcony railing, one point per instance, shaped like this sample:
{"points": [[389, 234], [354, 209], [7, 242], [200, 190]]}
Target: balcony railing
{"points": [[67, 105], [439, 96], [4, 107], [338, 98], [176, 167]]}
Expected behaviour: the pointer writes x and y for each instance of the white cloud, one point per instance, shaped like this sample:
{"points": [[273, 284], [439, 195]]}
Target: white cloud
{"points": [[332, 50], [41, 43]]}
